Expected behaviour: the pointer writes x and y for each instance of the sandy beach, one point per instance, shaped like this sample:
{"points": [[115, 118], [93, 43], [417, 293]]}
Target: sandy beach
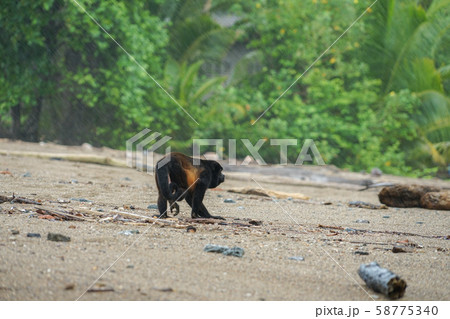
{"points": [[163, 262]]}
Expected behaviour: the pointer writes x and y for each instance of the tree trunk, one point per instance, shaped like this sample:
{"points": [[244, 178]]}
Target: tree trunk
{"points": [[32, 125], [15, 114]]}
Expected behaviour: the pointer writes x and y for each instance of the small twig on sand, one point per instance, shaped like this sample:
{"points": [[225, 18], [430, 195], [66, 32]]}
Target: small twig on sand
{"points": [[382, 232], [221, 222], [61, 215], [357, 242], [19, 200], [331, 227], [204, 221]]}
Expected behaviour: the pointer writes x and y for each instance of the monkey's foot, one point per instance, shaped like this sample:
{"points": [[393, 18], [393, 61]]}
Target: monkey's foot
{"points": [[194, 216], [217, 217]]}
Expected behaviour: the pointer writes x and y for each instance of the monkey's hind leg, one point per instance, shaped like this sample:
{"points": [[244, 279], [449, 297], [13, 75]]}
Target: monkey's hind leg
{"points": [[162, 207], [188, 199]]}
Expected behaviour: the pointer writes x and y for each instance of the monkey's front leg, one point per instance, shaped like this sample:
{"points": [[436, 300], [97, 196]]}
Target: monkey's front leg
{"points": [[198, 208], [205, 213], [195, 201]]}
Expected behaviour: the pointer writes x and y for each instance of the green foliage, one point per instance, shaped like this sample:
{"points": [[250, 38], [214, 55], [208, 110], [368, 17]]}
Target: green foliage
{"points": [[377, 98], [405, 47], [91, 89], [194, 35]]}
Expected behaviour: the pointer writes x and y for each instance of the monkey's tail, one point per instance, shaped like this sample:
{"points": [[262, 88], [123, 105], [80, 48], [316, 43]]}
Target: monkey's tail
{"points": [[170, 191]]}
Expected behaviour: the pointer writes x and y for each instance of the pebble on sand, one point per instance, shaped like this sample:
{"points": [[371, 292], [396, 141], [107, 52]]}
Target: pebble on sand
{"points": [[57, 237], [191, 229], [69, 286], [234, 251], [83, 200], [35, 235], [297, 258], [129, 232]]}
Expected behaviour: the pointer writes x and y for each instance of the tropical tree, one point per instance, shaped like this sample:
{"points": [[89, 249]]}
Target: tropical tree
{"points": [[406, 50], [190, 90], [194, 33], [63, 79]]}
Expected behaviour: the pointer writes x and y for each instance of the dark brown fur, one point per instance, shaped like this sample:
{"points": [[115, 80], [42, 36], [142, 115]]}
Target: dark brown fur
{"points": [[180, 178]]}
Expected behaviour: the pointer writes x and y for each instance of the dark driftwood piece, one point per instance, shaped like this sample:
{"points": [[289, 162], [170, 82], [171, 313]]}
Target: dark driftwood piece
{"points": [[19, 200], [4, 199], [382, 280], [404, 195], [434, 200]]}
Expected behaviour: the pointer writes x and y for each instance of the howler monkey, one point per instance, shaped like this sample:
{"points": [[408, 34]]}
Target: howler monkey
{"points": [[178, 178]]}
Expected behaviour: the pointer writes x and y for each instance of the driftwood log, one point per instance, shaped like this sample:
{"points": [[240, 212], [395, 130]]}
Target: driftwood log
{"points": [[268, 193], [382, 280], [435, 200], [404, 195], [82, 158]]}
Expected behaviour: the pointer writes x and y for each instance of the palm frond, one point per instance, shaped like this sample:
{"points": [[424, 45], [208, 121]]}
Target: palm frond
{"points": [[445, 72], [248, 65], [188, 79], [212, 45], [206, 87], [432, 116]]}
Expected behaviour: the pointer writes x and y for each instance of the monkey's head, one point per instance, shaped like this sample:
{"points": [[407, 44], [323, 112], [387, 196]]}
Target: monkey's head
{"points": [[216, 174]]}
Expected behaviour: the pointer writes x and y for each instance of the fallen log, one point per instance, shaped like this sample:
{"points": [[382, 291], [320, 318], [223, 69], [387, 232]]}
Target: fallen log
{"points": [[382, 280], [436, 200], [404, 195], [82, 158]]}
